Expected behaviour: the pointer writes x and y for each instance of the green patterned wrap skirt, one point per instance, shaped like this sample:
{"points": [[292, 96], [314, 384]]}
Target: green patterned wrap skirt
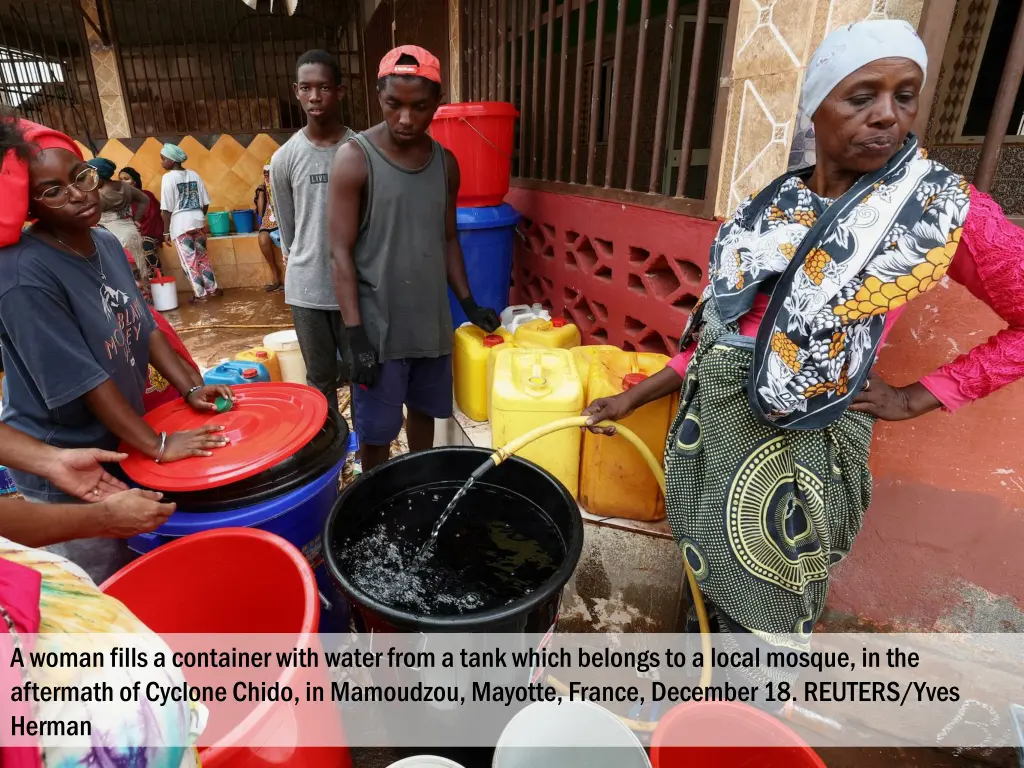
{"points": [[761, 513]]}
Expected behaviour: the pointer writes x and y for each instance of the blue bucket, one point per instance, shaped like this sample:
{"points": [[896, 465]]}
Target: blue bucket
{"points": [[487, 237], [245, 220], [298, 516]]}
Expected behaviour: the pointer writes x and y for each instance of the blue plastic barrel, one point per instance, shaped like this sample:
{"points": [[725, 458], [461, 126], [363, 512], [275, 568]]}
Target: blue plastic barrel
{"points": [[298, 516], [487, 237], [245, 220], [234, 372]]}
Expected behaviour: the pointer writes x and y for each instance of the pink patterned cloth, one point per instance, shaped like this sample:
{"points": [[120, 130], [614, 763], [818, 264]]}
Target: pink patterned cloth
{"points": [[990, 264]]}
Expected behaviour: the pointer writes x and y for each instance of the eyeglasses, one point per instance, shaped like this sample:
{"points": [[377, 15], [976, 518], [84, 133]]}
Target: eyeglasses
{"points": [[58, 197]]}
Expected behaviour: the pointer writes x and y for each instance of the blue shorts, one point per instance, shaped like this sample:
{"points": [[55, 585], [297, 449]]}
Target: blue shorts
{"points": [[423, 384]]}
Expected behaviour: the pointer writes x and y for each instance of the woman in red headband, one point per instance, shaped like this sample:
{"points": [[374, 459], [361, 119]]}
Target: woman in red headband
{"points": [[77, 337]]}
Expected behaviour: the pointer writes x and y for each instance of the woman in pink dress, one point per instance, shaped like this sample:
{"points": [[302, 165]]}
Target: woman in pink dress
{"points": [[767, 459]]}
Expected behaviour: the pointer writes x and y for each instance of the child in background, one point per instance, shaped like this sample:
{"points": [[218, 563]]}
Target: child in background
{"points": [[264, 202], [150, 227], [158, 389]]}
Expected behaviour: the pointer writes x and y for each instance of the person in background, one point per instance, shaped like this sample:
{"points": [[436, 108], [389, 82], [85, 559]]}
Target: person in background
{"points": [[150, 227], [123, 207], [299, 181], [159, 390], [396, 252], [767, 459], [184, 203], [264, 203], [76, 336]]}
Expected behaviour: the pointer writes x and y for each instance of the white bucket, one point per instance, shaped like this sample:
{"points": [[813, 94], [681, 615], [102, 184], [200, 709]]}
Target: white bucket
{"points": [[286, 345], [165, 293], [568, 734], [425, 761]]}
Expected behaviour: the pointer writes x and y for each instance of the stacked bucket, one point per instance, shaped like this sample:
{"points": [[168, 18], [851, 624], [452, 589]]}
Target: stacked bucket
{"points": [[480, 135]]}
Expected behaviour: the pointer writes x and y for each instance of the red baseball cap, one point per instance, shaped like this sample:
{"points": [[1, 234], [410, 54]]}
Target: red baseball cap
{"points": [[428, 66]]}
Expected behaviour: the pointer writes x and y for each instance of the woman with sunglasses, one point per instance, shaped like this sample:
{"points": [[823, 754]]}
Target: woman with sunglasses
{"points": [[77, 337]]}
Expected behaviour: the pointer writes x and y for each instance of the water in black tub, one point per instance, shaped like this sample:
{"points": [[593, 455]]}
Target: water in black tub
{"points": [[496, 548]]}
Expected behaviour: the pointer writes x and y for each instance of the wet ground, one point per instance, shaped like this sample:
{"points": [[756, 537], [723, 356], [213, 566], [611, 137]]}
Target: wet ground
{"points": [[222, 327]]}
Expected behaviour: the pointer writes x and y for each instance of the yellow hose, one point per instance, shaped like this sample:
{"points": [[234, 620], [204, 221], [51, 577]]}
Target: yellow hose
{"points": [[576, 422]]}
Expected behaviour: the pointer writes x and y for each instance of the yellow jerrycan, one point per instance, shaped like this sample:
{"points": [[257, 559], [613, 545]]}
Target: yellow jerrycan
{"points": [[548, 334], [267, 357], [472, 350], [534, 387], [614, 481]]}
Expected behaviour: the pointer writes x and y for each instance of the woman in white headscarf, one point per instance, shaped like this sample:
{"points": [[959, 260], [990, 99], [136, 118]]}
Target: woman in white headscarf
{"points": [[767, 459]]}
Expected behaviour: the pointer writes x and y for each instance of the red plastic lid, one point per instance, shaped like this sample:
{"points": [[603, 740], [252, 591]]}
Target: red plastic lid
{"points": [[558, 322], [250, 373], [267, 423], [493, 340], [630, 380]]}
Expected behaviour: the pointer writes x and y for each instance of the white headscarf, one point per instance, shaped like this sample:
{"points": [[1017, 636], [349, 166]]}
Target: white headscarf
{"points": [[842, 53]]}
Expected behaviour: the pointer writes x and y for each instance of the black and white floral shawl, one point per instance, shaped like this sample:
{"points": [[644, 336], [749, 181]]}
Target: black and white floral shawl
{"points": [[833, 269]]}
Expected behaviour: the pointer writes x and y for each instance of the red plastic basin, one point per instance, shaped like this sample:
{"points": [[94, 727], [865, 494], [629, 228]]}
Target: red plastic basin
{"points": [[238, 581], [736, 728]]}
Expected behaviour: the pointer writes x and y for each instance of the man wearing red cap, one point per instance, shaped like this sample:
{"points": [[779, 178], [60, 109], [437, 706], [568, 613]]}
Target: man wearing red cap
{"points": [[396, 252]]}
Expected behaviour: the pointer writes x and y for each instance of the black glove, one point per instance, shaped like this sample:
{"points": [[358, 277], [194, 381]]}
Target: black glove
{"points": [[364, 359], [480, 316]]}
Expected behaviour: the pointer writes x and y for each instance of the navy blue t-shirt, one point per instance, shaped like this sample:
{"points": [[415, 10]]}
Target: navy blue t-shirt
{"points": [[67, 325]]}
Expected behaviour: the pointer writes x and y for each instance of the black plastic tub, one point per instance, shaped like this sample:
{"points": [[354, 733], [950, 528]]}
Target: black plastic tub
{"points": [[534, 613]]}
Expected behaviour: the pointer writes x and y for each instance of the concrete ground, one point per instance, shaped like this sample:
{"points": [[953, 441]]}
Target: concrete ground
{"points": [[595, 600]]}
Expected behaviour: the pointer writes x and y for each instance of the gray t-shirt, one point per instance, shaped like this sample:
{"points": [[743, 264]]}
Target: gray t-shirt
{"points": [[299, 173], [65, 330]]}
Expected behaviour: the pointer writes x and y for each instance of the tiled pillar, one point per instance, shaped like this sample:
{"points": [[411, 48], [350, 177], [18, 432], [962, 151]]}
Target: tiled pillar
{"points": [[108, 80], [774, 40]]}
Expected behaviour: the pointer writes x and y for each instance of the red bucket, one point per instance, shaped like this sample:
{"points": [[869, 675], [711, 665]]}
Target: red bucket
{"points": [[240, 581], [479, 134], [727, 735]]}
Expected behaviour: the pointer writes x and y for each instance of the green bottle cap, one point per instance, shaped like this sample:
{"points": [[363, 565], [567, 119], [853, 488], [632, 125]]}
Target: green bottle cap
{"points": [[223, 404]]}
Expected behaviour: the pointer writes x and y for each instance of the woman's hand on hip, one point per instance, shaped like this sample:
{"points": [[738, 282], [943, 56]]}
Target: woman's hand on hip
{"points": [[608, 409], [78, 472], [203, 399], [894, 403], [195, 442], [130, 513]]}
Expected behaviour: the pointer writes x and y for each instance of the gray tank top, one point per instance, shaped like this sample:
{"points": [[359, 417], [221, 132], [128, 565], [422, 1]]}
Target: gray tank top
{"points": [[400, 257]]}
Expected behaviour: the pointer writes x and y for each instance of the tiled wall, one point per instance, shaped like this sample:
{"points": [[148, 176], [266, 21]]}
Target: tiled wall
{"points": [[231, 168], [774, 40]]}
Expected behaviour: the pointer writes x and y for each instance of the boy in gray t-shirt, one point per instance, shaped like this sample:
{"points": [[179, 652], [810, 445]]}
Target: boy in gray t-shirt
{"points": [[298, 178]]}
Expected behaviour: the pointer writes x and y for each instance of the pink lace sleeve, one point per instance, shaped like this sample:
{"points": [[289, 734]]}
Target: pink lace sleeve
{"points": [[990, 264]]}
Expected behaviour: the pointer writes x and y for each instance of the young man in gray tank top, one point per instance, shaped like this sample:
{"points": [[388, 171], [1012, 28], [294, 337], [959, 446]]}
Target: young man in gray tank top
{"points": [[396, 252]]}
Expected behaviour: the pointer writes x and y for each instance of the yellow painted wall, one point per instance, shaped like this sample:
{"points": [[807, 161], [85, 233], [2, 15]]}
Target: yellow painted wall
{"points": [[231, 173]]}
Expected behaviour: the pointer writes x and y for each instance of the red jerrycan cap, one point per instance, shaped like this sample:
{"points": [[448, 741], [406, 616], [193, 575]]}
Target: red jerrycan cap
{"points": [[558, 322], [250, 373], [493, 340], [267, 423], [261, 355], [630, 380]]}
